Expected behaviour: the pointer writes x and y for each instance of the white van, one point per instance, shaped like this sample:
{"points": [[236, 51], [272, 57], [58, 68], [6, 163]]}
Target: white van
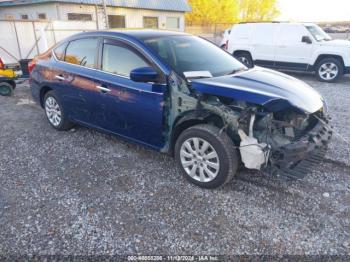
{"points": [[290, 46]]}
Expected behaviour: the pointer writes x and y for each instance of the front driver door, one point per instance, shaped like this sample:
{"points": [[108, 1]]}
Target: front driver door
{"points": [[130, 109]]}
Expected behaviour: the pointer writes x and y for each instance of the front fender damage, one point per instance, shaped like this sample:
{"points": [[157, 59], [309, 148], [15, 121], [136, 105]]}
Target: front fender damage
{"points": [[278, 138], [182, 102]]}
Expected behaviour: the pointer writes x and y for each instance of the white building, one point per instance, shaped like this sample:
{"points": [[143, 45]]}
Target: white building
{"points": [[162, 14]]}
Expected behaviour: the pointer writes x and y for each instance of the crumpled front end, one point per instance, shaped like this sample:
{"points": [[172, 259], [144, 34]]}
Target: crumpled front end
{"points": [[277, 135], [282, 126], [296, 143]]}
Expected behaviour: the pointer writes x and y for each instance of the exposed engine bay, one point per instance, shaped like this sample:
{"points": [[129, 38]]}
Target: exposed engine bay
{"points": [[282, 142], [279, 141]]}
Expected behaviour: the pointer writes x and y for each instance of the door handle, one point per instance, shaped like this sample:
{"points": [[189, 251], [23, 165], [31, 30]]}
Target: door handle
{"points": [[61, 78], [103, 89]]}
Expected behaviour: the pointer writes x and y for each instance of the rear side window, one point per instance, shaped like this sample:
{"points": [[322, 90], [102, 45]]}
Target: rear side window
{"points": [[59, 51], [120, 60], [82, 52]]}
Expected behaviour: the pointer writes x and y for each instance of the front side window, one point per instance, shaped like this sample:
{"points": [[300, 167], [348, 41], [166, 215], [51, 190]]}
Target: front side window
{"points": [[150, 22], [82, 52], [318, 33], [121, 60], [193, 54]]}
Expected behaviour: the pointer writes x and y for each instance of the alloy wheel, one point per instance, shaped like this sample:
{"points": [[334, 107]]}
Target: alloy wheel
{"points": [[199, 159], [328, 71], [53, 111]]}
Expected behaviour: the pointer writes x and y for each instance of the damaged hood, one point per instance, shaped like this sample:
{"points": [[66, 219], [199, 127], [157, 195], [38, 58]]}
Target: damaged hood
{"points": [[271, 89]]}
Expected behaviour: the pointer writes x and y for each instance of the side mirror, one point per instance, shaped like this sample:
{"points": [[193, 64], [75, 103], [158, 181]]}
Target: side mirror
{"points": [[144, 74], [306, 39]]}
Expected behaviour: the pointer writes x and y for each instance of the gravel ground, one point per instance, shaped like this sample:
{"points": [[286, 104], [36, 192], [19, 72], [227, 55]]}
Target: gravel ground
{"points": [[83, 192]]}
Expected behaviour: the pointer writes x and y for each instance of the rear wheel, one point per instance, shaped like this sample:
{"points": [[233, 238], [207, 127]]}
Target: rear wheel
{"points": [[55, 113], [329, 70], [206, 156]]}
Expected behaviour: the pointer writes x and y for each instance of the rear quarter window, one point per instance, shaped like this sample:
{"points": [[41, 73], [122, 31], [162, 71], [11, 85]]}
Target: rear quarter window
{"points": [[59, 51], [82, 52]]}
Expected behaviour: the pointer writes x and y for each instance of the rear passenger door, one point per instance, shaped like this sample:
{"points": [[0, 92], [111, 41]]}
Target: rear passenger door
{"points": [[78, 70], [130, 109]]}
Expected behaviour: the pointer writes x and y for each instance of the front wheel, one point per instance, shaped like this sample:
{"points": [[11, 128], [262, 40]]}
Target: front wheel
{"points": [[206, 156], [329, 70]]}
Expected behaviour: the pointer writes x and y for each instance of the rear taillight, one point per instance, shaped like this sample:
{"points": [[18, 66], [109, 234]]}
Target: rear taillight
{"points": [[2, 66], [226, 46], [31, 66]]}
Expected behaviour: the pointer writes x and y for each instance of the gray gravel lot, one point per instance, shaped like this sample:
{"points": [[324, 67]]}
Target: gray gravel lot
{"points": [[83, 192]]}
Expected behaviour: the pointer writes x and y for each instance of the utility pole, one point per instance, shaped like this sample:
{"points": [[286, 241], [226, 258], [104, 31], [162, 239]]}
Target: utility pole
{"points": [[105, 13]]}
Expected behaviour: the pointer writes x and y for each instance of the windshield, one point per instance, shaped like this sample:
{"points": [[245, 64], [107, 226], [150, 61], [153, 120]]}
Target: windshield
{"points": [[193, 54], [318, 33]]}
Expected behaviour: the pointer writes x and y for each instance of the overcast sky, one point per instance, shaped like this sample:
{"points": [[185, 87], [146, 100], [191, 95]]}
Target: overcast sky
{"points": [[315, 10]]}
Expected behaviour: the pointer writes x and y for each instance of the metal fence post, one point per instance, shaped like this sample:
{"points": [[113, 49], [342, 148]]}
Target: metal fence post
{"points": [[18, 45], [53, 32], [36, 42], [105, 12]]}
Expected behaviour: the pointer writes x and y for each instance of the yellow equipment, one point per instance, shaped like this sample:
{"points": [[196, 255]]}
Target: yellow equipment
{"points": [[7, 73]]}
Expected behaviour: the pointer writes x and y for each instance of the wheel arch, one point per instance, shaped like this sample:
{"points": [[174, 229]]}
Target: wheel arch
{"points": [[43, 92], [191, 119], [12, 83], [241, 51], [323, 56]]}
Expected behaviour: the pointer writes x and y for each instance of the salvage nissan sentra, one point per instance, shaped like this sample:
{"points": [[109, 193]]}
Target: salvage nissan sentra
{"points": [[182, 95]]}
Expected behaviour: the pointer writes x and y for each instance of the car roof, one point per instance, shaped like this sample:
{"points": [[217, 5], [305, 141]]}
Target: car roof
{"points": [[135, 34], [278, 22]]}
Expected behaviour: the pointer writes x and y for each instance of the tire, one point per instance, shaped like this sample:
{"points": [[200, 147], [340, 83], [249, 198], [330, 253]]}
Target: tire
{"points": [[210, 171], [245, 58], [223, 46], [53, 105], [329, 70], [6, 89]]}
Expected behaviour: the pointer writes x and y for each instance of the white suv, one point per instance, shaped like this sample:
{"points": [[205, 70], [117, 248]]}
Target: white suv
{"points": [[290, 46]]}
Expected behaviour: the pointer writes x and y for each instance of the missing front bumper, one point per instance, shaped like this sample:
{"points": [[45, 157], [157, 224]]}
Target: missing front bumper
{"points": [[297, 159]]}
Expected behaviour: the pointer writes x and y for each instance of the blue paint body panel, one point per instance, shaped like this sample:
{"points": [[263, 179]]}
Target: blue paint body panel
{"points": [[136, 110], [265, 87]]}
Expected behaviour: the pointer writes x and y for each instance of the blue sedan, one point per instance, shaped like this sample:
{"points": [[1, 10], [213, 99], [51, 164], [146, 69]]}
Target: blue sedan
{"points": [[182, 95]]}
